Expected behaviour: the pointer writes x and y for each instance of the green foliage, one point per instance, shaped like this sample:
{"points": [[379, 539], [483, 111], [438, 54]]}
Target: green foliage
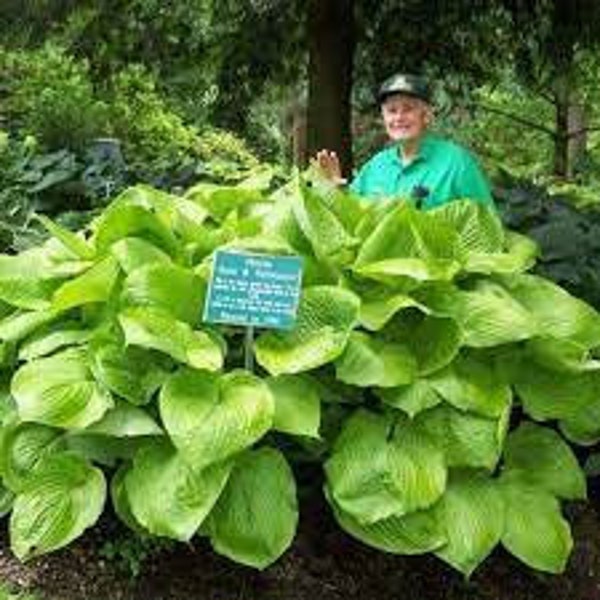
{"points": [[50, 95], [438, 392]]}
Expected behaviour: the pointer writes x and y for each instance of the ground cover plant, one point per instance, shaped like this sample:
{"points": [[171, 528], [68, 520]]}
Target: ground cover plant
{"points": [[436, 381]]}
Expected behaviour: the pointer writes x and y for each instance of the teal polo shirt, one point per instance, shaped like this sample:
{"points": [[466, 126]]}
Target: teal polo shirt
{"points": [[440, 172]]}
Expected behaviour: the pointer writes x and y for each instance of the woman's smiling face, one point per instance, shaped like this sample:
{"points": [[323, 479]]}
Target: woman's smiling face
{"points": [[405, 117]]}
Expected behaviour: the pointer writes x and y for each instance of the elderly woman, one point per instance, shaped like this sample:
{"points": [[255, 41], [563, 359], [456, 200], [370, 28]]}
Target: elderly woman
{"points": [[416, 164]]}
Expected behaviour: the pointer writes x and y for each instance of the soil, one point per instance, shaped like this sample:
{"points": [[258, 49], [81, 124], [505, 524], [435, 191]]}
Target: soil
{"points": [[323, 564]]}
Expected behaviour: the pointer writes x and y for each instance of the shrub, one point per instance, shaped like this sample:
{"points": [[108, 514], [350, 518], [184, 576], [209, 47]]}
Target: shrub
{"points": [[51, 96]]}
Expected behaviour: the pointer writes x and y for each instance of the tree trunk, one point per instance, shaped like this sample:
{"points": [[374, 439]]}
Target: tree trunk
{"points": [[577, 136], [331, 49], [561, 134]]}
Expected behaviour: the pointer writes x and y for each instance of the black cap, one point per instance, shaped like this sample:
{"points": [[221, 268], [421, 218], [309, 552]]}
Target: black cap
{"points": [[411, 85]]}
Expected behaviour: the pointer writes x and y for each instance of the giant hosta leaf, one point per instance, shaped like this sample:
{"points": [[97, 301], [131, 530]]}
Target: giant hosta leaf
{"points": [[95, 285], [325, 318], [540, 457], [297, 405], [465, 438], [519, 256], [471, 384], [254, 520], [376, 312], [558, 313], [562, 354], [583, 427], [413, 398], [174, 289], [472, 512], [211, 417], [167, 495], [49, 340], [120, 501], [369, 361], [415, 533], [22, 447], [62, 498], [124, 220], [535, 531], [26, 280], [383, 466], [125, 420], [154, 328], [320, 225], [59, 391], [71, 241], [434, 341], [133, 253], [548, 394], [19, 325], [130, 372], [396, 270], [488, 315], [478, 226], [408, 233]]}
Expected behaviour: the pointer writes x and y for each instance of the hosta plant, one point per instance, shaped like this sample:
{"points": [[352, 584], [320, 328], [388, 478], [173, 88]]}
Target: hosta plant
{"points": [[439, 383]]}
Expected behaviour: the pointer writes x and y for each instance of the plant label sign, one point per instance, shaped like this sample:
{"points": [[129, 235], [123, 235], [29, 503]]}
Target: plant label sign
{"points": [[254, 290]]}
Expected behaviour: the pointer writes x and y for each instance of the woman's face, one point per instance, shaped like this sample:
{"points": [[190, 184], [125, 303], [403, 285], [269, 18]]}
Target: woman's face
{"points": [[405, 118]]}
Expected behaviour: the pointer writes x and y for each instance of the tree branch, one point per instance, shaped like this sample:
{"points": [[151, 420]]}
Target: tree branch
{"points": [[583, 130], [517, 119]]}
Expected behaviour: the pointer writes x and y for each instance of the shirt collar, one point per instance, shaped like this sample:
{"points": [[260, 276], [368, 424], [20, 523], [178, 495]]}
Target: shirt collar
{"points": [[423, 154]]}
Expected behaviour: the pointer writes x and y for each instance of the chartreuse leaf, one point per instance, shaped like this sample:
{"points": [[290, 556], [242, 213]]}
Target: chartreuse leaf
{"points": [[47, 342], [61, 499], [406, 233], [487, 314], [59, 391], [382, 465], [518, 256], [297, 405], [174, 289], [130, 372], [558, 313], [211, 417], [320, 225], [27, 281], [154, 328], [22, 447], [19, 325], [413, 398], [133, 253], [583, 427], [434, 341], [369, 361], [538, 456], [478, 226], [376, 312], [71, 241], [466, 439], [95, 285], [123, 220], [392, 270], [473, 385], [562, 354], [120, 501], [414, 533], [255, 518], [125, 420], [547, 394], [167, 495], [326, 317], [7, 499], [535, 531], [472, 513]]}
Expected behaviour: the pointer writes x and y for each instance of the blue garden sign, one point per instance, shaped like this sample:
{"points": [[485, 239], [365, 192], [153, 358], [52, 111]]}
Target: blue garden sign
{"points": [[254, 290]]}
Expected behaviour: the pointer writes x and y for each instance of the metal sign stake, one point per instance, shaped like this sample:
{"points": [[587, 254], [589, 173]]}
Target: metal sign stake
{"points": [[249, 349]]}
